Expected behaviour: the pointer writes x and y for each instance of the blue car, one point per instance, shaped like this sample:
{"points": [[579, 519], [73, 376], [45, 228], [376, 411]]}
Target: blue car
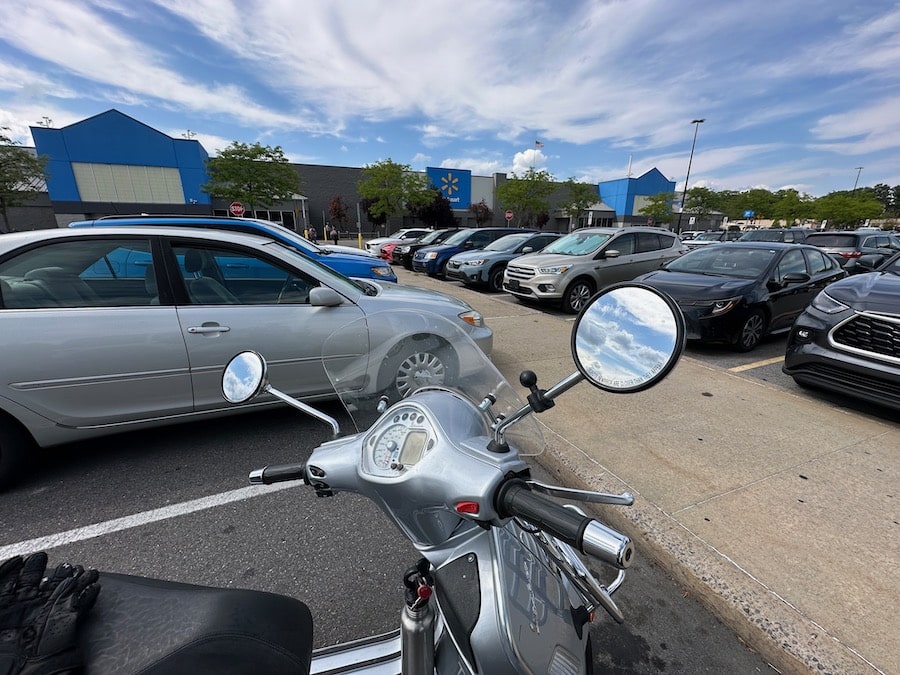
{"points": [[485, 267], [433, 259], [360, 266]]}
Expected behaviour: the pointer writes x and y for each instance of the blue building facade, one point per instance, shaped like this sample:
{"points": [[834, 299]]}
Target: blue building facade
{"points": [[624, 195]]}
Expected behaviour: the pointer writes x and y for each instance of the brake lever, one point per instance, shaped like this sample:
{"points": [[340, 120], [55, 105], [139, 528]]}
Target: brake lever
{"points": [[624, 499]]}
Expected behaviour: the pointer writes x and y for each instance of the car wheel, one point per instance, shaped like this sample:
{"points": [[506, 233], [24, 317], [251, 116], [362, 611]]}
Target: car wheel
{"points": [[495, 278], [418, 361], [14, 445], [577, 295], [752, 331]]}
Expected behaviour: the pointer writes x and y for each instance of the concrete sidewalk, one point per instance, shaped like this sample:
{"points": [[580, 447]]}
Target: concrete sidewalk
{"points": [[781, 512]]}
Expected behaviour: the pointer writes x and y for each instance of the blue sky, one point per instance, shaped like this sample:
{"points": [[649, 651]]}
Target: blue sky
{"points": [[795, 93]]}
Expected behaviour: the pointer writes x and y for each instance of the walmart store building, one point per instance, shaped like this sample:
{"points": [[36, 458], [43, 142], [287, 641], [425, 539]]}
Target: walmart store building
{"points": [[114, 164]]}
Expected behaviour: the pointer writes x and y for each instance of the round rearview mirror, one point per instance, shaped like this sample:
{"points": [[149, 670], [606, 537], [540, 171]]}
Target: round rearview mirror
{"points": [[628, 337], [244, 377]]}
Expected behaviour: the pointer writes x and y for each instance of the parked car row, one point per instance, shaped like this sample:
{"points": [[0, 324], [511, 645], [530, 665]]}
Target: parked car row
{"points": [[844, 331]]}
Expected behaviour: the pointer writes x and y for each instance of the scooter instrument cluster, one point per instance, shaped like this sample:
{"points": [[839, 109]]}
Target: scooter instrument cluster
{"points": [[398, 442]]}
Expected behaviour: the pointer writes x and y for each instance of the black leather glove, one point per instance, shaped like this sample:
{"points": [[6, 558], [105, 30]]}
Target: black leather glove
{"points": [[39, 615]]}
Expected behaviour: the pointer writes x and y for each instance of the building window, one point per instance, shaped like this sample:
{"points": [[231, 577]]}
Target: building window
{"points": [[127, 183]]}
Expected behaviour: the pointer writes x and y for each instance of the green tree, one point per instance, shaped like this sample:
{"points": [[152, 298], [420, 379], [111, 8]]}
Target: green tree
{"points": [[847, 209], [392, 189], [252, 174], [528, 196], [658, 207], [482, 213], [580, 197], [438, 213], [337, 211], [792, 207], [701, 202], [22, 176]]}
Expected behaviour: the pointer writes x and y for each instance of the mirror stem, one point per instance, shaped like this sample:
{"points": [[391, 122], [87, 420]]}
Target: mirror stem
{"points": [[554, 391], [309, 410]]}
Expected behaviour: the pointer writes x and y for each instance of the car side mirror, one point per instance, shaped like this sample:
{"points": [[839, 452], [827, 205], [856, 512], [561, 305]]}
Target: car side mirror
{"points": [[322, 296], [611, 253], [796, 278], [527, 249]]}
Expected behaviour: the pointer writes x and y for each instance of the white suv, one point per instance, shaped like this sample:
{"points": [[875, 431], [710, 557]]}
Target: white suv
{"points": [[571, 269]]}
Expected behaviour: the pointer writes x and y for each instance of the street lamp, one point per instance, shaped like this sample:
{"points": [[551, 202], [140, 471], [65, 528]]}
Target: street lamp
{"points": [[858, 171], [696, 124]]}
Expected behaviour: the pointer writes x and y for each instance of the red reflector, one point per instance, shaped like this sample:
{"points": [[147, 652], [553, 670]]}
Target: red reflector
{"points": [[467, 507]]}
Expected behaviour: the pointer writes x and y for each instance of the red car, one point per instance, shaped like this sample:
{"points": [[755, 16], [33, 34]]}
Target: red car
{"points": [[387, 251]]}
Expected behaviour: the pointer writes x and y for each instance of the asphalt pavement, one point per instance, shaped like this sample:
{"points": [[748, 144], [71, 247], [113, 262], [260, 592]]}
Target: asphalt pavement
{"points": [[779, 511]]}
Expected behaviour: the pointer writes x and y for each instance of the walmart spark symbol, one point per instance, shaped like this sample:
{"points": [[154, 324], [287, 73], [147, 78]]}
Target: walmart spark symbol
{"points": [[450, 185]]}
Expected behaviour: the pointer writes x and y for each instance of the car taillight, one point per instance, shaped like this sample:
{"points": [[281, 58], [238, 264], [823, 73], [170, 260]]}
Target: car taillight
{"points": [[850, 254]]}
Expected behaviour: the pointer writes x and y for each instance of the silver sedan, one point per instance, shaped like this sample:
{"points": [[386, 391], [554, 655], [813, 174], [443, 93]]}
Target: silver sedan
{"points": [[113, 329]]}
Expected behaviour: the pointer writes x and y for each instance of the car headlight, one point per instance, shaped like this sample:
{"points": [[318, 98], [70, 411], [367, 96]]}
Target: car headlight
{"points": [[721, 306], [474, 263], [556, 269], [431, 255], [472, 318], [825, 303], [402, 249], [384, 271]]}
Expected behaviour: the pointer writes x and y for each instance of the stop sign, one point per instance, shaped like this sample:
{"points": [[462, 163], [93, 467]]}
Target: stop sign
{"points": [[509, 215], [236, 209]]}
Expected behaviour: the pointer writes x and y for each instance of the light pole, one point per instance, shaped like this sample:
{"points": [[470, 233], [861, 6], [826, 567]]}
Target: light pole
{"points": [[696, 124], [858, 171]]}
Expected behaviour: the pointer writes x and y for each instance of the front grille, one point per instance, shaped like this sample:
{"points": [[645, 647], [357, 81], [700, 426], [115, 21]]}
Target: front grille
{"points": [[874, 334], [869, 385], [520, 273]]}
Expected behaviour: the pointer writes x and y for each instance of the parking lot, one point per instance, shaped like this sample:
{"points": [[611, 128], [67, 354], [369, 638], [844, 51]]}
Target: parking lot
{"points": [[172, 503]]}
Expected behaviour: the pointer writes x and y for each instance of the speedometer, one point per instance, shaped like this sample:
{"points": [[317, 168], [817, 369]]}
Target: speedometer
{"points": [[387, 448]]}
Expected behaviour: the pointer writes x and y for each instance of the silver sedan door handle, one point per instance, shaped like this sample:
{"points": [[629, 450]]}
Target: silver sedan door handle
{"points": [[208, 328]]}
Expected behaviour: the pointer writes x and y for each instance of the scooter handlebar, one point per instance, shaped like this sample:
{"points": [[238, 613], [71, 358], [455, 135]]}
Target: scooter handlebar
{"points": [[277, 473], [589, 536]]}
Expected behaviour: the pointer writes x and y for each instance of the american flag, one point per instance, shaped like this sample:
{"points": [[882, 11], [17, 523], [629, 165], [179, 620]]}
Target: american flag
{"points": [[538, 144]]}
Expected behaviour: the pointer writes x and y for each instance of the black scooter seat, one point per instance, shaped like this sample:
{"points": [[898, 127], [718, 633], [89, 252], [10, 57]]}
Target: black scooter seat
{"points": [[149, 626]]}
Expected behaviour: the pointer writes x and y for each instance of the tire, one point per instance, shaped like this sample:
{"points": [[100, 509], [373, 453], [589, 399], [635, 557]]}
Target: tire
{"points": [[577, 295], [495, 278], [417, 361], [752, 331], [14, 447]]}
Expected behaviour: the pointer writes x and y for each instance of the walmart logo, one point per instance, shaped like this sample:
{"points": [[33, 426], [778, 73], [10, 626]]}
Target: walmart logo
{"points": [[449, 185]]}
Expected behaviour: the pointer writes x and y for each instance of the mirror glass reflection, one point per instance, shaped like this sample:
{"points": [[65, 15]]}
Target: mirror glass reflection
{"points": [[243, 377], [628, 338]]}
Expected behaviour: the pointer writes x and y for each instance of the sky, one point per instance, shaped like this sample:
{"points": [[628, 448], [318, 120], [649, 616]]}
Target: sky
{"points": [[801, 94]]}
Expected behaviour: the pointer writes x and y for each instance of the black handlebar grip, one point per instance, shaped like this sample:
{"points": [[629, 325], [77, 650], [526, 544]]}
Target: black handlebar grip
{"points": [[584, 533], [516, 499], [277, 473]]}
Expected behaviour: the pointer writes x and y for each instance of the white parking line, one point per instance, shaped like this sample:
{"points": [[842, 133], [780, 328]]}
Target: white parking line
{"points": [[757, 364], [138, 519]]}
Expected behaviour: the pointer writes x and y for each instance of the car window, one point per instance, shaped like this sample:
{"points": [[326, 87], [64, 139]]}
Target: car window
{"points": [[625, 244], [220, 276], [793, 262], [652, 241], [81, 273], [578, 243], [458, 237], [818, 262], [833, 240]]}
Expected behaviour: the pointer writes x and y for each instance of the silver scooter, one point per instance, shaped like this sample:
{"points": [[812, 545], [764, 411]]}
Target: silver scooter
{"points": [[502, 585]]}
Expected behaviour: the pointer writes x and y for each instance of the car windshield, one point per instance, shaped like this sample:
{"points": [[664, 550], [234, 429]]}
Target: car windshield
{"points": [[578, 243], [708, 236], [726, 260], [763, 235], [336, 280], [431, 237], [458, 237], [507, 243], [891, 266]]}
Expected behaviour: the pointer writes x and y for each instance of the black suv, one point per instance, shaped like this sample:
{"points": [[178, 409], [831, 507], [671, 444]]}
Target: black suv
{"points": [[403, 253], [789, 235], [848, 248]]}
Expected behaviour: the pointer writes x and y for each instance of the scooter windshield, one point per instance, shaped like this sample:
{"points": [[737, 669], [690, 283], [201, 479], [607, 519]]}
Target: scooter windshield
{"points": [[375, 361]]}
